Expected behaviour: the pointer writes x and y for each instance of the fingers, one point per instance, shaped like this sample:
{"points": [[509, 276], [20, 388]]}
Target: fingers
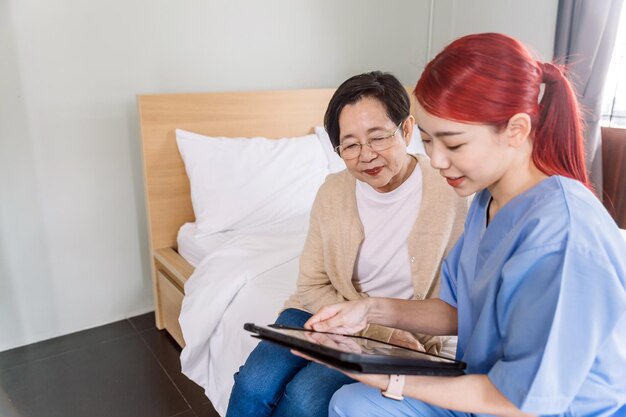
{"points": [[416, 345], [406, 339], [332, 323], [323, 314], [351, 346], [348, 317], [345, 343]]}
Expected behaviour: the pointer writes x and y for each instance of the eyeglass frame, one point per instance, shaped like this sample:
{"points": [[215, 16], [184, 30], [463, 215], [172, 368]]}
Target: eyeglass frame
{"points": [[369, 143]]}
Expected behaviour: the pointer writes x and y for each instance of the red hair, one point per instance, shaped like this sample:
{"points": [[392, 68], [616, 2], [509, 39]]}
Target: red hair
{"points": [[487, 78]]}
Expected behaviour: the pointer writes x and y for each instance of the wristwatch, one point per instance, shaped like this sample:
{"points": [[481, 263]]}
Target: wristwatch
{"points": [[395, 388]]}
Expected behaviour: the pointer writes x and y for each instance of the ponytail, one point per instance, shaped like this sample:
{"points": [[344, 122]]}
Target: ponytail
{"points": [[558, 147], [487, 78]]}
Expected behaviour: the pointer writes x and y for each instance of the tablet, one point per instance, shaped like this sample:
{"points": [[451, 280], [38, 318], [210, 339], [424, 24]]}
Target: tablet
{"points": [[357, 353]]}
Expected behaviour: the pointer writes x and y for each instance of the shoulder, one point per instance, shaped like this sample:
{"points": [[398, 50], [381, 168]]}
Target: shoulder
{"points": [[591, 228], [337, 182], [566, 203], [566, 226], [336, 191], [562, 211]]}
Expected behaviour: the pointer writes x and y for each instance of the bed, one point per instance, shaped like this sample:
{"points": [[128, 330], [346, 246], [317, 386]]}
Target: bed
{"points": [[216, 345]]}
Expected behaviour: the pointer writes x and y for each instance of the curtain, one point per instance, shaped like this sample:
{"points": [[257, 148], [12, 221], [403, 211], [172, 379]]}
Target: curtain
{"points": [[614, 149], [585, 36]]}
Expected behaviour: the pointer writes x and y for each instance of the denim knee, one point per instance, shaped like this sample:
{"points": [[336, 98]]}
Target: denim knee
{"points": [[309, 392], [293, 317], [260, 383]]}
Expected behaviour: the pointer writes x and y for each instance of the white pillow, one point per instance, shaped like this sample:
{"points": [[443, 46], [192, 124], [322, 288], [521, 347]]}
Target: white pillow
{"points": [[335, 163], [416, 145], [246, 183]]}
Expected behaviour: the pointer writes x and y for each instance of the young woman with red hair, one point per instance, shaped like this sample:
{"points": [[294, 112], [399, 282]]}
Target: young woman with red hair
{"points": [[535, 288]]}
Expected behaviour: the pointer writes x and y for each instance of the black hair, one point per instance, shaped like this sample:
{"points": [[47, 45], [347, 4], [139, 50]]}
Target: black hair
{"points": [[381, 86]]}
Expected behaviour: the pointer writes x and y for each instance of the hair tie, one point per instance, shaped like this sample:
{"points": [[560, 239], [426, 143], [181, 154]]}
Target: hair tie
{"points": [[550, 73]]}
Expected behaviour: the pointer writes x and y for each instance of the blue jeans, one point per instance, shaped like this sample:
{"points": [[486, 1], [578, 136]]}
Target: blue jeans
{"points": [[274, 382]]}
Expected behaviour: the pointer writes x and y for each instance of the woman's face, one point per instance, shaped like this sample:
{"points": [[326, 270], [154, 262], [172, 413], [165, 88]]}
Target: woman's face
{"points": [[470, 157], [366, 120]]}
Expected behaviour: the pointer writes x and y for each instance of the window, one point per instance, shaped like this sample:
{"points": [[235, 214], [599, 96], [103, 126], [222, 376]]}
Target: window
{"points": [[614, 96]]}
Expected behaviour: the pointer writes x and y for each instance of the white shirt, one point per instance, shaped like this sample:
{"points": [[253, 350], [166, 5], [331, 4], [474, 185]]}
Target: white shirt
{"points": [[383, 268]]}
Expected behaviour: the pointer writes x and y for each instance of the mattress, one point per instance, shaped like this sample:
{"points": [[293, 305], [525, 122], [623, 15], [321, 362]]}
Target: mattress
{"points": [[195, 249]]}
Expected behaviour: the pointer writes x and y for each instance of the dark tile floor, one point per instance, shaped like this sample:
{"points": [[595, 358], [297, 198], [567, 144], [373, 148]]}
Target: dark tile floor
{"points": [[123, 369]]}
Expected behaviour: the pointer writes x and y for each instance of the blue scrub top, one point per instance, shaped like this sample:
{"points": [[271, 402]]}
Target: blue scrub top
{"points": [[541, 300]]}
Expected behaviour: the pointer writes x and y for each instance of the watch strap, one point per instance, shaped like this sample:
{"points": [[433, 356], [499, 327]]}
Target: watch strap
{"points": [[395, 388]]}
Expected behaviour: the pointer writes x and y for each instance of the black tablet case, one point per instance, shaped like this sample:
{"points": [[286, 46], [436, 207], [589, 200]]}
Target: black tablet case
{"points": [[357, 362]]}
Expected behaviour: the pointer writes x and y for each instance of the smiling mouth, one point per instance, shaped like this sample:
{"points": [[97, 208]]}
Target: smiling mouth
{"points": [[373, 171], [455, 181]]}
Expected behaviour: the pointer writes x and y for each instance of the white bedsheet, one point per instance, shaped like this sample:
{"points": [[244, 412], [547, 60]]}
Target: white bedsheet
{"points": [[195, 249], [258, 302], [246, 278]]}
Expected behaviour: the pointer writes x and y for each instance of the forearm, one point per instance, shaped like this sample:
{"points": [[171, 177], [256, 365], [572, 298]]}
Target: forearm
{"points": [[432, 316], [467, 393]]}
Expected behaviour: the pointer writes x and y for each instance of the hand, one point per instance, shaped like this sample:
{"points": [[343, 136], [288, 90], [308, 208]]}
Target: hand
{"points": [[406, 339], [346, 318]]}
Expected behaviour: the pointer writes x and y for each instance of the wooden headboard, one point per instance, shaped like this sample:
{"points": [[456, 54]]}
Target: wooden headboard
{"points": [[272, 114]]}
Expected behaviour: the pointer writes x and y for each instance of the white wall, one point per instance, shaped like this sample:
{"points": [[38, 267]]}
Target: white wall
{"points": [[73, 239], [531, 21]]}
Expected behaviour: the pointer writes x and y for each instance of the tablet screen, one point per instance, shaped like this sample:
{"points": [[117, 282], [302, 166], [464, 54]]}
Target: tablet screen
{"points": [[357, 345]]}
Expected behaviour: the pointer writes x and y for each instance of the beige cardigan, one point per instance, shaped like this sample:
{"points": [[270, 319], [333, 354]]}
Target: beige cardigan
{"points": [[335, 235]]}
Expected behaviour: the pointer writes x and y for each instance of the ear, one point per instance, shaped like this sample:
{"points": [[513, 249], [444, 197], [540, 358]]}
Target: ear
{"points": [[518, 129], [407, 129]]}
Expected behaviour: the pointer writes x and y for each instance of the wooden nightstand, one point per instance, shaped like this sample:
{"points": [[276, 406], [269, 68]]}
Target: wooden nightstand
{"points": [[171, 272]]}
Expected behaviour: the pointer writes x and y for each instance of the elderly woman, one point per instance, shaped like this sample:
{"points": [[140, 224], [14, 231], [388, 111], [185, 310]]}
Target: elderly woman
{"points": [[380, 228]]}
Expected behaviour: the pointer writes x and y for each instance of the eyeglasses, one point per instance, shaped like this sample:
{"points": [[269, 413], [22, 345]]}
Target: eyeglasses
{"points": [[352, 149]]}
